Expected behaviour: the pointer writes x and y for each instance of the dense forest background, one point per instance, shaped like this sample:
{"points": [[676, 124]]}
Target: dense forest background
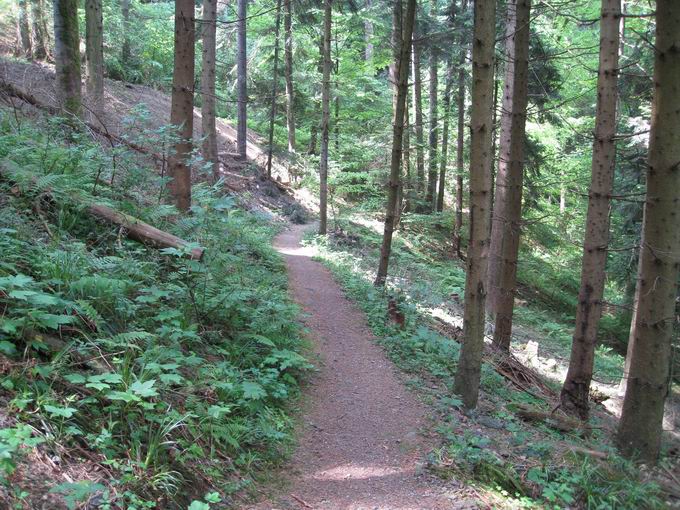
{"points": [[114, 354]]}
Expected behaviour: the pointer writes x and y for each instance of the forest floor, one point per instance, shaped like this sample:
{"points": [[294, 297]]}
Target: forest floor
{"points": [[363, 436]]}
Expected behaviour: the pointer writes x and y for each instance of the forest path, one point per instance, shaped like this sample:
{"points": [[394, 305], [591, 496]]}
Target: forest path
{"points": [[359, 442]]}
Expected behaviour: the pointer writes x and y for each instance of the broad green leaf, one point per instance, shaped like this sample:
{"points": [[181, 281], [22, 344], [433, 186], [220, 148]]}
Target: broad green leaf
{"points": [[144, 389], [64, 412], [253, 391]]}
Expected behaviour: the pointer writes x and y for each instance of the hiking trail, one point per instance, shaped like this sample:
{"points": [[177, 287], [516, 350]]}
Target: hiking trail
{"points": [[360, 444]]}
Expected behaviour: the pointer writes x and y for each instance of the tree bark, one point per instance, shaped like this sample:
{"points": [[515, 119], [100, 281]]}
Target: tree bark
{"points": [[445, 136], [460, 135], [368, 33], [94, 51], [288, 71], [208, 98], [507, 211], [182, 104], [434, 120], [325, 117], [418, 112], [40, 37], [143, 232], [640, 426], [241, 79], [126, 51], [469, 365], [574, 395], [401, 73], [407, 187], [336, 106], [25, 30], [275, 86], [67, 56]]}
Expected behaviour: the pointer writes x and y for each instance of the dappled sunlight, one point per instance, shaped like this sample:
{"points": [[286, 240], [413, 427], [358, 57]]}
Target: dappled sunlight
{"points": [[300, 251], [357, 472]]}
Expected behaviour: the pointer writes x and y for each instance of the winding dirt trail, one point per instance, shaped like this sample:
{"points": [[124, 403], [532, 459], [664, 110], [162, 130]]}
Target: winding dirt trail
{"points": [[359, 444]]}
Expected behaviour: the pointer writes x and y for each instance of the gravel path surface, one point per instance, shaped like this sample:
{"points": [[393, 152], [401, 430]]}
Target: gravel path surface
{"points": [[360, 445]]}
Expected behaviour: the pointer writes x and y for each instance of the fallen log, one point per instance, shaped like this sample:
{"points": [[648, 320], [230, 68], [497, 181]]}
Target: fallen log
{"points": [[135, 228], [554, 420], [143, 232]]}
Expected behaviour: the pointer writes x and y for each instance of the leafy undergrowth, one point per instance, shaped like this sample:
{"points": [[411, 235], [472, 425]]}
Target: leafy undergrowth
{"points": [[133, 377], [513, 463]]}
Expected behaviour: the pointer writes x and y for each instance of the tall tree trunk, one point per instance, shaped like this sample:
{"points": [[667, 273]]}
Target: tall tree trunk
{"points": [[288, 72], [469, 365], [313, 134], [641, 421], [574, 395], [368, 33], [418, 112], [445, 136], [325, 116], [126, 51], [241, 79], [407, 187], [434, 120], [25, 30], [336, 114], [182, 104], [460, 134], [275, 87], [38, 24], [401, 72], [67, 56], [208, 98], [94, 49], [507, 211]]}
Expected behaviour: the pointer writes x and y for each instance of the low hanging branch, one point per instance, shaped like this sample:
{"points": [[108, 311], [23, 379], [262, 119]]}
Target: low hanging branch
{"points": [[12, 90], [133, 227]]}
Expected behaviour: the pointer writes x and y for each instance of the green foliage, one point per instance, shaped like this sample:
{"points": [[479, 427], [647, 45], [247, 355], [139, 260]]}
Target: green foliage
{"points": [[190, 363], [596, 486]]}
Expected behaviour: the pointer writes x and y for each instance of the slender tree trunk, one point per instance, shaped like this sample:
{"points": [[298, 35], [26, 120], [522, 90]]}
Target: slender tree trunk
{"points": [[94, 49], [325, 116], [574, 395], [208, 98], [434, 131], [407, 188], [507, 211], [275, 87], [39, 36], [445, 136], [313, 135], [401, 72], [67, 56], [182, 104], [418, 112], [460, 135], [126, 52], [336, 114], [241, 79], [314, 126], [469, 365], [288, 72], [640, 427], [368, 33], [25, 30]]}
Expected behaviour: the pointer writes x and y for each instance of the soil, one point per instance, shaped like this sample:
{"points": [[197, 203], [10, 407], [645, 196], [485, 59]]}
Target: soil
{"points": [[363, 440], [137, 112]]}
